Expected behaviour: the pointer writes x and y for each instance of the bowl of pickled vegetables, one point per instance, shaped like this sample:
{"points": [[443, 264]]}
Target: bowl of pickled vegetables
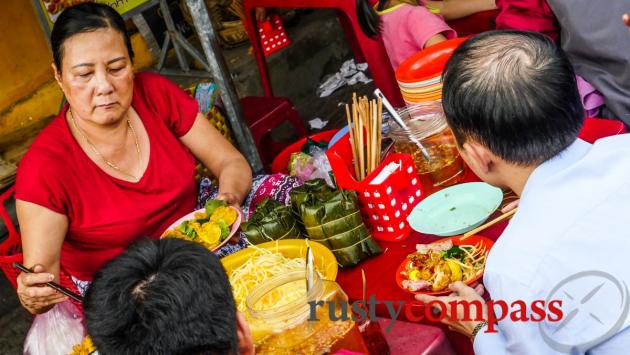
{"points": [[211, 226]]}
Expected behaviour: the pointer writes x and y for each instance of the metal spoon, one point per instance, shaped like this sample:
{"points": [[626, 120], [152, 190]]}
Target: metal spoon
{"points": [[401, 123]]}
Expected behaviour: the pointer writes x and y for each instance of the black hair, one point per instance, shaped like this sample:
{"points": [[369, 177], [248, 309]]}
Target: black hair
{"points": [[369, 20], [515, 93], [85, 17], [167, 296]]}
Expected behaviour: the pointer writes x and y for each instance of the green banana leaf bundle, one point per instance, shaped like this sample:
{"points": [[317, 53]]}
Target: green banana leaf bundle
{"points": [[332, 217], [271, 221]]}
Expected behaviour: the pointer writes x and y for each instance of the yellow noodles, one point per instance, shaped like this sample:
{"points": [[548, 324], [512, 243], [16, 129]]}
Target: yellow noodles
{"points": [[257, 270]]}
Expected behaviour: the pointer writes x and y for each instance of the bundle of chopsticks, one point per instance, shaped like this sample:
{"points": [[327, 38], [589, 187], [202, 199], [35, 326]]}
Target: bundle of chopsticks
{"points": [[364, 124]]}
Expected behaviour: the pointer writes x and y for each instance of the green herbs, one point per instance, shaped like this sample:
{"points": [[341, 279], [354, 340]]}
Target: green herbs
{"points": [[454, 252]]}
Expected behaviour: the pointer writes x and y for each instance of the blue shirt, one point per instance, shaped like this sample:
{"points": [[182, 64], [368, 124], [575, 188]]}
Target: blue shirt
{"points": [[569, 241]]}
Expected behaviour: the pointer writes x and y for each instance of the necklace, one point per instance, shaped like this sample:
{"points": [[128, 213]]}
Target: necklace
{"points": [[109, 163]]}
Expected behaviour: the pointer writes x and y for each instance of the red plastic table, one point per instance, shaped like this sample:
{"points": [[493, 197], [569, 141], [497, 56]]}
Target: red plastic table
{"points": [[380, 273]]}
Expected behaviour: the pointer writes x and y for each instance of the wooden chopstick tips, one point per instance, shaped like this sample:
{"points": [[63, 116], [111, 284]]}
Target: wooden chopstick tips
{"points": [[489, 224], [365, 120]]}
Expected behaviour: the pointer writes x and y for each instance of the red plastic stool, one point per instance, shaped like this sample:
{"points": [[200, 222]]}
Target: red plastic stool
{"points": [[265, 113], [413, 338], [372, 50]]}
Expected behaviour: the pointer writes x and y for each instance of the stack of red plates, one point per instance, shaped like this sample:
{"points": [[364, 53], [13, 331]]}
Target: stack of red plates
{"points": [[420, 76]]}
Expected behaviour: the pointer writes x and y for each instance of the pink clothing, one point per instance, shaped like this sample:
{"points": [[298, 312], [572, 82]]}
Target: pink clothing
{"points": [[406, 29], [592, 100]]}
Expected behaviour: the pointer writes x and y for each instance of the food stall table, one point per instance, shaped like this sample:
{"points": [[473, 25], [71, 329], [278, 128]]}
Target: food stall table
{"points": [[380, 273]]}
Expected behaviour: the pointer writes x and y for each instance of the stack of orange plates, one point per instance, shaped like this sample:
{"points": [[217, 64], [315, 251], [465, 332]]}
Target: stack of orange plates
{"points": [[420, 76], [422, 90]]}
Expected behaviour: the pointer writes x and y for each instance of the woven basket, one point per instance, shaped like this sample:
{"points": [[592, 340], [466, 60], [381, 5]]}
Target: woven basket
{"points": [[7, 173], [229, 27]]}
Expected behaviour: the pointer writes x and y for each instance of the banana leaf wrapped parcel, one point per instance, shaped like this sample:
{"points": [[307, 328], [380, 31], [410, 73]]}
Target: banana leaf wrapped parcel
{"points": [[271, 221], [332, 217]]}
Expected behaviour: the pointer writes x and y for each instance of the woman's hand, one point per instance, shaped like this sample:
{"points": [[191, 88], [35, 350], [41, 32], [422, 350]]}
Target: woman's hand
{"points": [[235, 204], [33, 293], [229, 198], [43, 232]]}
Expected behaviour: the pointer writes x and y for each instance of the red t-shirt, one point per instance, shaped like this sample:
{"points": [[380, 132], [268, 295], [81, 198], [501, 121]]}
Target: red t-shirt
{"points": [[106, 214]]}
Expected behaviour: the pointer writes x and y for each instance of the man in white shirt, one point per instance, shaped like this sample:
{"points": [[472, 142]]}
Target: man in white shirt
{"points": [[512, 103]]}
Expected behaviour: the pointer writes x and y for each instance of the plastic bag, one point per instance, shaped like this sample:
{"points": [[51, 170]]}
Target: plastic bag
{"points": [[56, 331], [313, 165], [321, 165]]}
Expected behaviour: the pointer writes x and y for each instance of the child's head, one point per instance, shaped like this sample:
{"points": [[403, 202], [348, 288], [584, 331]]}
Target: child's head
{"points": [[368, 18], [166, 296]]}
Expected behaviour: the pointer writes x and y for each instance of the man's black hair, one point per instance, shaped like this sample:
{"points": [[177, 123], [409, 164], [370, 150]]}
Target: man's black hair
{"points": [[167, 296], [515, 93]]}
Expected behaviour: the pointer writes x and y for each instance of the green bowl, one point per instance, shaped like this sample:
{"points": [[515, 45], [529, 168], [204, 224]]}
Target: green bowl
{"points": [[455, 210]]}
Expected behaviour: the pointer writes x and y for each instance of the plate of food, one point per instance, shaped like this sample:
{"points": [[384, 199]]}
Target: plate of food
{"points": [[456, 209], [211, 226], [432, 267]]}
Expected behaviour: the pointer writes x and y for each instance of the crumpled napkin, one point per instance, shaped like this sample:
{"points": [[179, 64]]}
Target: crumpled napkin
{"points": [[350, 73]]}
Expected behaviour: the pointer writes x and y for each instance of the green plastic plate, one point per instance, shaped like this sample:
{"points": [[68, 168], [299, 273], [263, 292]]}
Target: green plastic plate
{"points": [[455, 210]]}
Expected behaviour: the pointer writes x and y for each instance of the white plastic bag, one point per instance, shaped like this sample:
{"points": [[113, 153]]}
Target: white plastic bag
{"points": [[319, 165], [56, 331]]}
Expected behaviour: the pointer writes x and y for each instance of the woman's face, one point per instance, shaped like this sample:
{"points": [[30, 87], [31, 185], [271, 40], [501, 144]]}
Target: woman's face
{"points": [[96, 76]]}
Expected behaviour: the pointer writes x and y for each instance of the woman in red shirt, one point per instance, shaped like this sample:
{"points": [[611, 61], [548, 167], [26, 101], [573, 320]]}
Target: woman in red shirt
{"points": [[117, 163]]}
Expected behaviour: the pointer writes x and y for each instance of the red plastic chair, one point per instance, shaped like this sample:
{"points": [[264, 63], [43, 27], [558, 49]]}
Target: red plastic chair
{"points": [[264, 114], [11, 250], [365, 48], [372, 50]]}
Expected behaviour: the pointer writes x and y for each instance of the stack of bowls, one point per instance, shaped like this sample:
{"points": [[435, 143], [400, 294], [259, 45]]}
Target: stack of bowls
{"points": [[420, 76], [422, 90]]}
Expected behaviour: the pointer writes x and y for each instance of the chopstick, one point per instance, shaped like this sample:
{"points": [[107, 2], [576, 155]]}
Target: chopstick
{"points": [[364, 287], [52, 284], [364, 119], [489, 224]]}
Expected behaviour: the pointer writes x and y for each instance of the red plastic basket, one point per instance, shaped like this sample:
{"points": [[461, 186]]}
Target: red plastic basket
{"points": [[384, 206], [273, 37], [11, 251]]}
